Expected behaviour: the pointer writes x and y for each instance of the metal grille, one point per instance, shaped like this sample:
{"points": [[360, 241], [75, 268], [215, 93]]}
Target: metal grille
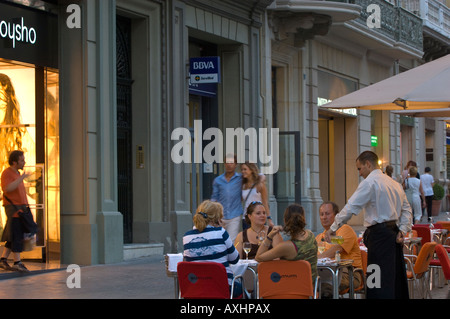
{"points": [[124, 126]]}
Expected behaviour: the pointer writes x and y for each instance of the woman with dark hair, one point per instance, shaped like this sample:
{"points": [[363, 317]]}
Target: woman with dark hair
{"points": [[301, 246], [256, 217]]}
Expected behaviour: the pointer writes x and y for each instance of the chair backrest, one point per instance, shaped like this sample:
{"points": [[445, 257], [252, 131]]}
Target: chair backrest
{"points": [[424, 232], [364, 260], [445, 224], [444, 259], [203, 280], [283, 279], [423, 259]]}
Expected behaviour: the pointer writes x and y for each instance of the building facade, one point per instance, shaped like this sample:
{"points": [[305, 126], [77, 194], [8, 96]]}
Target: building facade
{"points": [[117, 87]]}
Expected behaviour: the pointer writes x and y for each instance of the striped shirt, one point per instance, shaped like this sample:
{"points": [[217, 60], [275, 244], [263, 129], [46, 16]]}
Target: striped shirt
{"points": [[213, 244]]}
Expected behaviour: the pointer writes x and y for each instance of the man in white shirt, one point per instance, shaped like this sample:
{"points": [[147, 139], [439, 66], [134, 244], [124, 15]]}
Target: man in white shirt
{"points": [[388, 217], [427, 185]]}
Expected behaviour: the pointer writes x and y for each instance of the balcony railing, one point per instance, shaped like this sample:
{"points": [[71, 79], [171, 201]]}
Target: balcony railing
{"points": [[396, 23], [435, 14]]}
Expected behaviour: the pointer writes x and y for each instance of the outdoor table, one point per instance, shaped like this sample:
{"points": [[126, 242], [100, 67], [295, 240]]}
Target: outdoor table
{"points": [[242, 267], [330, 265], [410, 242], [439, 233], [172, 261]]}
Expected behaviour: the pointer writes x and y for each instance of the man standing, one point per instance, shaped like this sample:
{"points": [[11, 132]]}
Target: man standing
{"points": [[14, 199], [427, 183], [349, 249], [388, 217], [227, 190]]}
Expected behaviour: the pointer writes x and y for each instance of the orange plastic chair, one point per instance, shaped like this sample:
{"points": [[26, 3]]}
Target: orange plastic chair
{"points": [[445, 224], [204, 280], [441, 263], [417, 273], [283, 279]]}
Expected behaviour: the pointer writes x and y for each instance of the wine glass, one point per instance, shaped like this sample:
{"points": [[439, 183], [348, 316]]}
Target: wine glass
{"points": [[321, 247], [247, 247]]}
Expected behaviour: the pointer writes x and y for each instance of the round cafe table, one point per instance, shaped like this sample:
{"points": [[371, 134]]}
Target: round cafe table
{"points": [[410, 242], [242, 267], [334, 268]]}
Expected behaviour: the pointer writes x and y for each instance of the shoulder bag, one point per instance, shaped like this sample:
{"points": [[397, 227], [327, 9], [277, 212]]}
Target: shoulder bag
{"points": [[26, 218]]}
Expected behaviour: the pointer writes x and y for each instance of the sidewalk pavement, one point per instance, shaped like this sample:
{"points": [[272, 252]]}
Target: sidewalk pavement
{"points": [[143, 278]]}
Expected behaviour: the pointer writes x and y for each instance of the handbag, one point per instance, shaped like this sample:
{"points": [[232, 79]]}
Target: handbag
{"points": [[26, 218], [29, 242]]}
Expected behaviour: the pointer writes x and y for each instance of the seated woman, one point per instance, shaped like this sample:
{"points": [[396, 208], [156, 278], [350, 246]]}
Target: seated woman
{"points": [[209, 242], [256, 217], [301, 246]]}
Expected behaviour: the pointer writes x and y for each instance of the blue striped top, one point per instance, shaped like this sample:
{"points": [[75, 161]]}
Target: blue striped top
{"points": [[213, 244]]}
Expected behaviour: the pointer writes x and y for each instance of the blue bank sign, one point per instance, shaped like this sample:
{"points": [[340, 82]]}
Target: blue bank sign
{"points": [[205, 70]]}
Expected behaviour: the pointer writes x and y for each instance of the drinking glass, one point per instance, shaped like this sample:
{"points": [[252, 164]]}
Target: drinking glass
{"points": [[247, 247]]}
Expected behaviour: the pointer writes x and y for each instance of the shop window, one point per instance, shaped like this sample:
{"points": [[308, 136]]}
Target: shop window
{"points": [[29, 121]]}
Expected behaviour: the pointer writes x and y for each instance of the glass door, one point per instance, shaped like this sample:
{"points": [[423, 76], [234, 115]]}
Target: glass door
{"points": [[287, 180]]}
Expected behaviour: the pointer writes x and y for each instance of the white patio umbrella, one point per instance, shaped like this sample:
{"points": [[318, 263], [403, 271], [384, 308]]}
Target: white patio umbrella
{"points": [[424, 87], [444, 113]]}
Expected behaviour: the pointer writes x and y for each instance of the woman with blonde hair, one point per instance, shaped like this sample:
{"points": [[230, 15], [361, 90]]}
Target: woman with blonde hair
{"points": [[209, 242], [301, 246], [253, 190]]}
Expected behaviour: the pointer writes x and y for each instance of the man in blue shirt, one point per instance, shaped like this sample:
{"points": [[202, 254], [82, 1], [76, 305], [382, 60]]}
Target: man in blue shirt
{"points": [[227, 190]]}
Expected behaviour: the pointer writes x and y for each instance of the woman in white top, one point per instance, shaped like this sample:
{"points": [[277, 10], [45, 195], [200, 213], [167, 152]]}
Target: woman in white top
{"points": [[254, 190], [413, 190]]}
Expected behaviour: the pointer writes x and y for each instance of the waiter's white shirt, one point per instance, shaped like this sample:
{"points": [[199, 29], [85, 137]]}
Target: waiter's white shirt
{"points": [[383, 200]]}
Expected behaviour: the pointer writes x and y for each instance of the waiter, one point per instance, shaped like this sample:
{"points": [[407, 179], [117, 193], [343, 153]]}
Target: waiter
{"points": [[388, 218]]}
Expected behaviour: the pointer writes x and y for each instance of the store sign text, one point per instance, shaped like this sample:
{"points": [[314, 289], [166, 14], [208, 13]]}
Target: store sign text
{"points": [[17, 32]]}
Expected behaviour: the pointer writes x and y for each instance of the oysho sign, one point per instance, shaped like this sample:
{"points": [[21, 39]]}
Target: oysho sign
{"points": [[28, 35], [17, 32]]}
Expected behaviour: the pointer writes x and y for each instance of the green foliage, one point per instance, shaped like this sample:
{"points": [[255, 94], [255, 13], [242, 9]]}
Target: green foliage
{"points": [[438, 192]]}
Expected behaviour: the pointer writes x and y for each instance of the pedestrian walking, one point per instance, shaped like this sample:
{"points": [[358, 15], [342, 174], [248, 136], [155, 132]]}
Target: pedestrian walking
{"points": [[14, 198], [427, 184], [227, 190]]}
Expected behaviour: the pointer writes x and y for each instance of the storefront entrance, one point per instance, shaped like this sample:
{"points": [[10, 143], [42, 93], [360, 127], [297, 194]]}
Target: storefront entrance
{"points": [[29, 117], [29, 121]]}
